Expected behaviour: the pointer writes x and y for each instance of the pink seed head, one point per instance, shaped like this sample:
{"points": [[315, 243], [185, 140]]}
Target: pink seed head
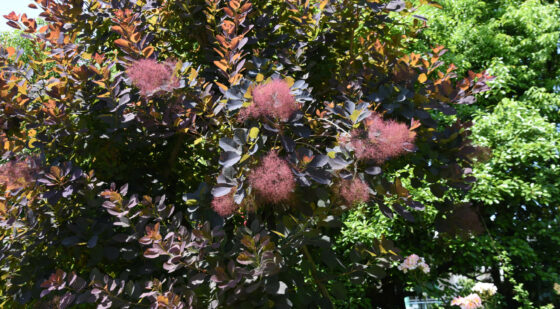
{"points": [[353, 191], [273, 179], [149, 75], [381, 140], [272, 99], [224, 205]]}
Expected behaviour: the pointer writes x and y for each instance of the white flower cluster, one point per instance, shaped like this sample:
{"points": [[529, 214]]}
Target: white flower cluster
{"points": [[472, 301], [412, 262], [484, 288]]}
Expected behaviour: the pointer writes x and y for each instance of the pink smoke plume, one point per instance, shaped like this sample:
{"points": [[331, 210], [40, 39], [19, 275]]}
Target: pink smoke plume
{"points": [[272, 99], [353, 191], [382, 139], [225, 205], [273, 179], [149, 75]]}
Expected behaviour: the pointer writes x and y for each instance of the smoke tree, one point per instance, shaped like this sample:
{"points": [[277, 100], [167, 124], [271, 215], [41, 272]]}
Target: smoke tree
{"points": [[177, 154]]}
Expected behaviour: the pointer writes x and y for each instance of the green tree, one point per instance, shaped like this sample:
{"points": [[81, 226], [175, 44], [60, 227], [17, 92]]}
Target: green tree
{"points": [[514, 40], [516, 197], [21, 42], [516, 191]]}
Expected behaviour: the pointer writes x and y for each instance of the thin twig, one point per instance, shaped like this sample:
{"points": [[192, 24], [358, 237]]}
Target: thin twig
{"points": [[321, 287], [334, 124]]}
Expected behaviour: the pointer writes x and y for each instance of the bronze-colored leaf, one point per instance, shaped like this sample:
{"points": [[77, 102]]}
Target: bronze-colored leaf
{"points": [[148, 51], [123, 43], [246, 7], [224, 87], [229, 12], [228, 26], [136, 37], [222, 65], [234, 4], [12, 16], [11, 51], [437, 49], [222, 40], [117, 29]]}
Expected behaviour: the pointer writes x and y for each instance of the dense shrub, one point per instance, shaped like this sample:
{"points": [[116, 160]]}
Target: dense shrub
{"points": [[201, 154]]}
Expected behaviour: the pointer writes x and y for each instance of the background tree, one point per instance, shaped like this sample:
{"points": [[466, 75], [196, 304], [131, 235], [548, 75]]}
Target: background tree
{"points": [[516, 193], [517, 190], [19, 41]]}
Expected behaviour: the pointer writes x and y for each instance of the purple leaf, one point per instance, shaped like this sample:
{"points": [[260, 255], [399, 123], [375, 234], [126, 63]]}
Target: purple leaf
{"points": [[152, 253], [66, 300], [44, 293]]}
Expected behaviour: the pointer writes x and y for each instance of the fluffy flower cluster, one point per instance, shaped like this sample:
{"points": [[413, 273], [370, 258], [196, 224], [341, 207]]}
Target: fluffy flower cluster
{"points": [[272, 99], [273, 179], [484, 288], [412, 262], [353, 191], [16, 174], [381, 140], [472, 301], [149, 75], [224, 205]]}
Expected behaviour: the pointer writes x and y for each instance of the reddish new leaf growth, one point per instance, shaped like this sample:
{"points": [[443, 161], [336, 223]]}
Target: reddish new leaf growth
{"points": [[55, 280], [225, 205], [16, 174], [169, 300], [382, 139], [353, 191], [149, 75], [12, 16], [152, 235], [272, 99], [273, 179]]}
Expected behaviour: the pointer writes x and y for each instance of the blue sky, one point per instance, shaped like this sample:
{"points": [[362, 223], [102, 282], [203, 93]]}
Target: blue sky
{"points": [[19, 6]]}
